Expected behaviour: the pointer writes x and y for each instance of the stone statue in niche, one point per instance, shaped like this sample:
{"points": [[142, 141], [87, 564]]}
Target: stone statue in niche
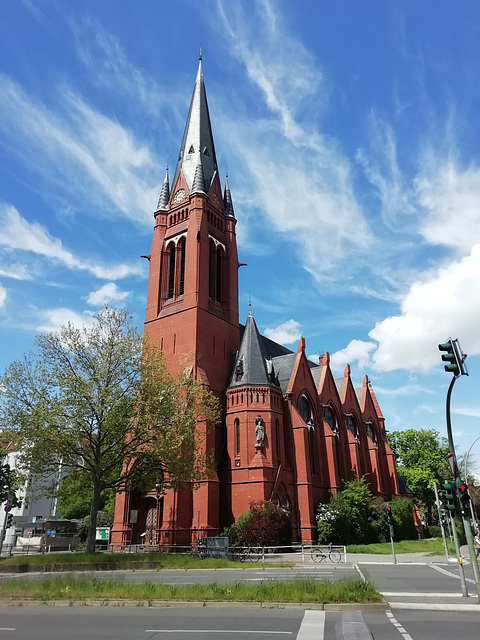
{"points": [[259, 432]]}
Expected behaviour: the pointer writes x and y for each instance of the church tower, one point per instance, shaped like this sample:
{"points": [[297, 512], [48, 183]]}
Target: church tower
{"points": [[192, 300], [192, 314]]}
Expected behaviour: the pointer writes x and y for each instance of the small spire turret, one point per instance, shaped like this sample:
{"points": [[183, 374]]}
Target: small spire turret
{"points": [[164, 194], [227, 200]]}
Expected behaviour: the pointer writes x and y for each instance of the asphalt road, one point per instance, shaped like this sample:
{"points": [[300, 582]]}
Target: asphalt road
{"points": [[193, 623]]}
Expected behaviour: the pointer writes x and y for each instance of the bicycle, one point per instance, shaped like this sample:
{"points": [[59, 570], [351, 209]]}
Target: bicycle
{"points": [[241, 554], [319, 554]]}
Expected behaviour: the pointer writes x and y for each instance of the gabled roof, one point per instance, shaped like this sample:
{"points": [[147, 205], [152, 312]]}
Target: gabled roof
{"points": [[197, 159]]}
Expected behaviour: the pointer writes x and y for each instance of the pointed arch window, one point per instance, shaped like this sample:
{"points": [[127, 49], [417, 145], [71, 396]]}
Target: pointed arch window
{"points": [[305, 411], [352, 427], [173, 268], [371, 432], [217, 282], [331, 420]]}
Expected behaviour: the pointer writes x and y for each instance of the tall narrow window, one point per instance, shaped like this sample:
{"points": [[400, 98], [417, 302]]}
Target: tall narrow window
{"points": [[212, 270], [313, 452], [237, 436], [218, 289], [171, 272], [277, 438], [181, 284]]}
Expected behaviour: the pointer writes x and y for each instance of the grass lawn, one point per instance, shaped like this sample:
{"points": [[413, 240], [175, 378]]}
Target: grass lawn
{"points": [[83, 588], [161, 561], [432, 546]]}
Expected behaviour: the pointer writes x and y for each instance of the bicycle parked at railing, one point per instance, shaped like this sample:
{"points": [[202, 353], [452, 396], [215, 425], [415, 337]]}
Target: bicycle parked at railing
{"points": [[242, 554], [319, 554]]}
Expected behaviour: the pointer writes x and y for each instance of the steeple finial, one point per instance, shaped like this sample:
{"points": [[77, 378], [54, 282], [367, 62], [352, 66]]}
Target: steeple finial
{"points": [[200, 55]]}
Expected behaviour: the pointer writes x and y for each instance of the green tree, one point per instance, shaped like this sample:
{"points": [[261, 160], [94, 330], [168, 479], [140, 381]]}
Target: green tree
{"points": [[9, 480], [421, 459], [100, 400], [75, 495]]}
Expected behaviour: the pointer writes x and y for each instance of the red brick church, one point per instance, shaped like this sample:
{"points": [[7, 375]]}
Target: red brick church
{"points": [[291, 433]]}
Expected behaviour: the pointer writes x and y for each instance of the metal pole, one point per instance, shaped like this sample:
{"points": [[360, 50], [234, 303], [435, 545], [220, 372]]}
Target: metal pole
{"points": [[393, 546], [440, 519], [466, 523], [461, 570]]}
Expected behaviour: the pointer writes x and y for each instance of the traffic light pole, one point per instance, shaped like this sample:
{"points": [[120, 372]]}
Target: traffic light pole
{"points": [[466, 522], [441, 520]]}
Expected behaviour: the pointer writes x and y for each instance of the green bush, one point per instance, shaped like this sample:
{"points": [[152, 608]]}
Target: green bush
{"points": [[354, 516], [433, 531], [264, 525], [402, 515]]}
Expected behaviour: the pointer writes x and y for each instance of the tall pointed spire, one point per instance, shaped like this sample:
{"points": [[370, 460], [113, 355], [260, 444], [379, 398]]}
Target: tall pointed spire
{"points": [[227, 200], [197, 144], [164, 194]]}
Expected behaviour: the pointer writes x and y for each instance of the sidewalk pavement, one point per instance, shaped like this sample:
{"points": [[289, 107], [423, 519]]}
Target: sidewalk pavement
{"points": [[371, 558]]}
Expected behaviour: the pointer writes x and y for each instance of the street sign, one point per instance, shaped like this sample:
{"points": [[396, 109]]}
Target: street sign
{"points": [[133, 516], [102, 533], [8, 507], [451, 462]]}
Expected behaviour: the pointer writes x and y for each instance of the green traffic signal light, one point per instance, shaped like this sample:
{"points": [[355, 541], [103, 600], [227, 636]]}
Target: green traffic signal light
{"points": [[9, 521], [449, 493], [454, 357], [450, 357]]}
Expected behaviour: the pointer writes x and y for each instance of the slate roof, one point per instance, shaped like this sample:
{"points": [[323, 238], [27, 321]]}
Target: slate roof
{"points": [[197, 159], [164, 195], [253, 364]]}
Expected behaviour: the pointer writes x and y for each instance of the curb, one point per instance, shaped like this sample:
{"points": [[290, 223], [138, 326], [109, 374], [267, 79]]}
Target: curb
{"points": [[363, 606]]}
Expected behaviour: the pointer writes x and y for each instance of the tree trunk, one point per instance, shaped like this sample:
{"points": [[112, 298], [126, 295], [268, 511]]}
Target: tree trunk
{"points": [[92, 526]]}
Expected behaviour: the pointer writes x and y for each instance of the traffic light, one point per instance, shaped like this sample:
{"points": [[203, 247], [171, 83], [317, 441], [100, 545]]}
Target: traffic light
{"points": [[449, 499], [389, 513], [454, 357], [9, 521], [464, 499]]}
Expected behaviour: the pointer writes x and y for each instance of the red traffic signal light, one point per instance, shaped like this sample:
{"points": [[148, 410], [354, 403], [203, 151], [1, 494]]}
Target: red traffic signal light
{"points": [[464, 499]]}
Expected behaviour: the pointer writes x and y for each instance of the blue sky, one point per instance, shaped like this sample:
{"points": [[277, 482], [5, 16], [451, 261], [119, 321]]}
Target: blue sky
{"points": [[350, 132]]}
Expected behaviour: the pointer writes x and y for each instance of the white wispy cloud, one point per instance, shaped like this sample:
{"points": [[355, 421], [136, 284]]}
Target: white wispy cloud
{"points": [[19, 234], [296, 177], [53, 319], [451, 199], [3, 296], [107, 293], [15, 270], [473, 412], [285, 333], [109, 67], [84, 153], [381, 165]]}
